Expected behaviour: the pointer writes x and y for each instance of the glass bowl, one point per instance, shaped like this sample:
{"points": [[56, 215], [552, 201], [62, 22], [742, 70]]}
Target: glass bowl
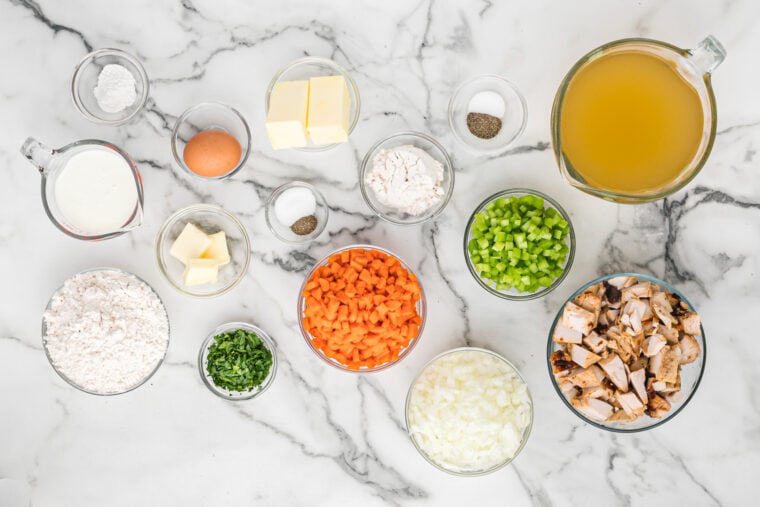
{"points": [[526, 431], [691, 374], [210, 219], [85, 78], [221, 391], [313, 66], [421, 310], [73, 383], [513, 121], [425, 143], [284, 232], [210, 116], [513, 294]]}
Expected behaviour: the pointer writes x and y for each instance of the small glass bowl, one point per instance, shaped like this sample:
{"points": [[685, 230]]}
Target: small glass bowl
{"points": [[513, 294], [283, 231], [210, 116], [513, 122], [691, 374], [85, 78], [421, 310], [425, 143], [221, 391], [210, 219], [74, 384], [469, 473], [314, 66]]}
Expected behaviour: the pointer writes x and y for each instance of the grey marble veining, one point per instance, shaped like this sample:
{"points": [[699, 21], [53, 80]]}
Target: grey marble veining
{"points": [[321, 437]]}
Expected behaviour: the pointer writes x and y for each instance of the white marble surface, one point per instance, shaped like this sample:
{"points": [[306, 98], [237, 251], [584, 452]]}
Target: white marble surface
{"points": [[321, 437]]}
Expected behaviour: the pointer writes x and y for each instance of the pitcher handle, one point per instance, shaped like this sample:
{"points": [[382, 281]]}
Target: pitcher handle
{"points": [[707, 55], [38, 154]]}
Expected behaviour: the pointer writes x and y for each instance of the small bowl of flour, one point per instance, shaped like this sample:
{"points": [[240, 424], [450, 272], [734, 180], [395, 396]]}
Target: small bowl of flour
{"points": [[105, 331], [109, 86]]}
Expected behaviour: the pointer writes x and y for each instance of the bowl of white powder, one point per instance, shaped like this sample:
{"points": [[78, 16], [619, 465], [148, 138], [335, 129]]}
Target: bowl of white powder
{"points": [[109, 86], [407, 178], [469, 412], [105, 331]]}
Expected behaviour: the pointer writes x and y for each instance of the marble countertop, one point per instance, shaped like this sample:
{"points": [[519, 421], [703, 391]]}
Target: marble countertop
{"points": [[319, 436]]}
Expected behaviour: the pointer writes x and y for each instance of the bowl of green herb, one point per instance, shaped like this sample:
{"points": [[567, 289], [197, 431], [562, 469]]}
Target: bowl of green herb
{"points": [[237, 361], [519, 244]]}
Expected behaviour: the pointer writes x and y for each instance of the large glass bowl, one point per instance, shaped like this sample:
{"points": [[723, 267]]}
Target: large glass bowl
{"points": [[226, 393], [421, 310], [425, 143], [691, 374], [73, 383], [313, 66], [513, 294], [468, 473], [210, 219]]}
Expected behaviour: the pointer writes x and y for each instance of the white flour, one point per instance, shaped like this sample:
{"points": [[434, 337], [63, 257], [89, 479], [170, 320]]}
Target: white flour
{"points": [[106, 331], [407, 179], [115, 90]]}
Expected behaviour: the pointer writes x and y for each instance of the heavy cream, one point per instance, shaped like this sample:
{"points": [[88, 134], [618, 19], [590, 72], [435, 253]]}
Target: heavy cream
{"points": [[96, 191]]}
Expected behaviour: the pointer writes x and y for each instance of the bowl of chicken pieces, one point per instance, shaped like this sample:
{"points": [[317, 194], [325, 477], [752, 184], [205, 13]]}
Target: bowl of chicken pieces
{"points": [[626, 352]]}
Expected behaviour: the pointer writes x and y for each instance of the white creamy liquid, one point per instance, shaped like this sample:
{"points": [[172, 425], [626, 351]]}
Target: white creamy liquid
{"points": [[96, 191]]}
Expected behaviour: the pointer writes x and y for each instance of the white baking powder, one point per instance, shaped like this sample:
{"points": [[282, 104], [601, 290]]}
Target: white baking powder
{"points": [[406, 179], [115, 90], [106, 331]]}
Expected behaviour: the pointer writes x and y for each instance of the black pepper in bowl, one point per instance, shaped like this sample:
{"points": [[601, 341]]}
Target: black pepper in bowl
{"points": [[304, 225], [483, 125]]}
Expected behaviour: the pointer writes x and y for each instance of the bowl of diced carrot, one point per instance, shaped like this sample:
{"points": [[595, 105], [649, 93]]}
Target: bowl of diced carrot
{"points": [[361, 309]]}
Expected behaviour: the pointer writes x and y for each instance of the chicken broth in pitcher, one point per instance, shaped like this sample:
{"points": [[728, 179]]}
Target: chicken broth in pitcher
{"points": [[630, 122]]}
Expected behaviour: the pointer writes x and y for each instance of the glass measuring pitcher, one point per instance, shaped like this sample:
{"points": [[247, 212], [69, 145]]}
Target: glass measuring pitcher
{"points": [[634, 120], [91, 189]]}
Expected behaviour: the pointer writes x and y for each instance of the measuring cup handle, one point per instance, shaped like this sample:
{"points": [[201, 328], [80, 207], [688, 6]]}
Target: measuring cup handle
{"points": [[38, 154], [707, 55]]}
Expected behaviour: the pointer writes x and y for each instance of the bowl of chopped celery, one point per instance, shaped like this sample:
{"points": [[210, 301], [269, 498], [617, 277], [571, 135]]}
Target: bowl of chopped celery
{"points": [[519, 244]]}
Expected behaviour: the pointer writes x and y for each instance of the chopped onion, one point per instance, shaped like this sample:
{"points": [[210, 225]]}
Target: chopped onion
{"points": [[468, 411]]}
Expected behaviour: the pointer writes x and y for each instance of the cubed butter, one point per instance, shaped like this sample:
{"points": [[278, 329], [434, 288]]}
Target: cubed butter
{"points": [[329, 108], [190, 244], [286, 120], [200, 271], [218, 250]]}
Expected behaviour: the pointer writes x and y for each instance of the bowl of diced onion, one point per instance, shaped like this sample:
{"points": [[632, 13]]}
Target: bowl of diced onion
{"points": [[469, 412], [519, 244]]}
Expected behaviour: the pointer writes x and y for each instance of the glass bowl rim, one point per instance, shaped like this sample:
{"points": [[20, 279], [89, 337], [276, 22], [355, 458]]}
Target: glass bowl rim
{"points": [[317, 60], [550, 349], [421, 303], [448, 169], [523, 106], [219, 105], [263, 336], [70, 381], [320, 201], [212, 208], [87, 60], [526, 432], [568, 261]]}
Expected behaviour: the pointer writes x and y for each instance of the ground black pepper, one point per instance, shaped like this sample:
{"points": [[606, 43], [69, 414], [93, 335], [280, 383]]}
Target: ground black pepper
{"points": [[304, 225], [483, 125]]}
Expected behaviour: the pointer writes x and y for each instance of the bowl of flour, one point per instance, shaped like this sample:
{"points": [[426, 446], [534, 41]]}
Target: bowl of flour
{"points": [[105, 331]]}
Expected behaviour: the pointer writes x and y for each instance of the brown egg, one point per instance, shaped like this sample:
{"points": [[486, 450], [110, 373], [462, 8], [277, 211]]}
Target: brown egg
{"points": [[212, 153]]}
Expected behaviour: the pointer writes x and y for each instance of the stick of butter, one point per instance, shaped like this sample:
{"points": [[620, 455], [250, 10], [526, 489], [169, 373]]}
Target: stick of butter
{"points": [[286, 120], [218, 250], [190, 244], [200, 271], [329, 108]]}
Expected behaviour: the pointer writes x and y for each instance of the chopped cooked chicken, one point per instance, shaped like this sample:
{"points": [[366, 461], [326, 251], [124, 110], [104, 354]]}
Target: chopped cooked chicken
{"points": [[657, 407], [568, 389], [587, 377], [655, 363], [630, 403], [563, 334], [621, 282], [668, 370], [561, 362], [653, 345], [622, 416], [689, 349], [593, 408], [635, 311], [591, 303], [576, 318], [638, 382], [615, 370], [691, 324], [670, 334], [582, 356], [602, 391], [663, 309], [595, 343], [636, 292]]}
